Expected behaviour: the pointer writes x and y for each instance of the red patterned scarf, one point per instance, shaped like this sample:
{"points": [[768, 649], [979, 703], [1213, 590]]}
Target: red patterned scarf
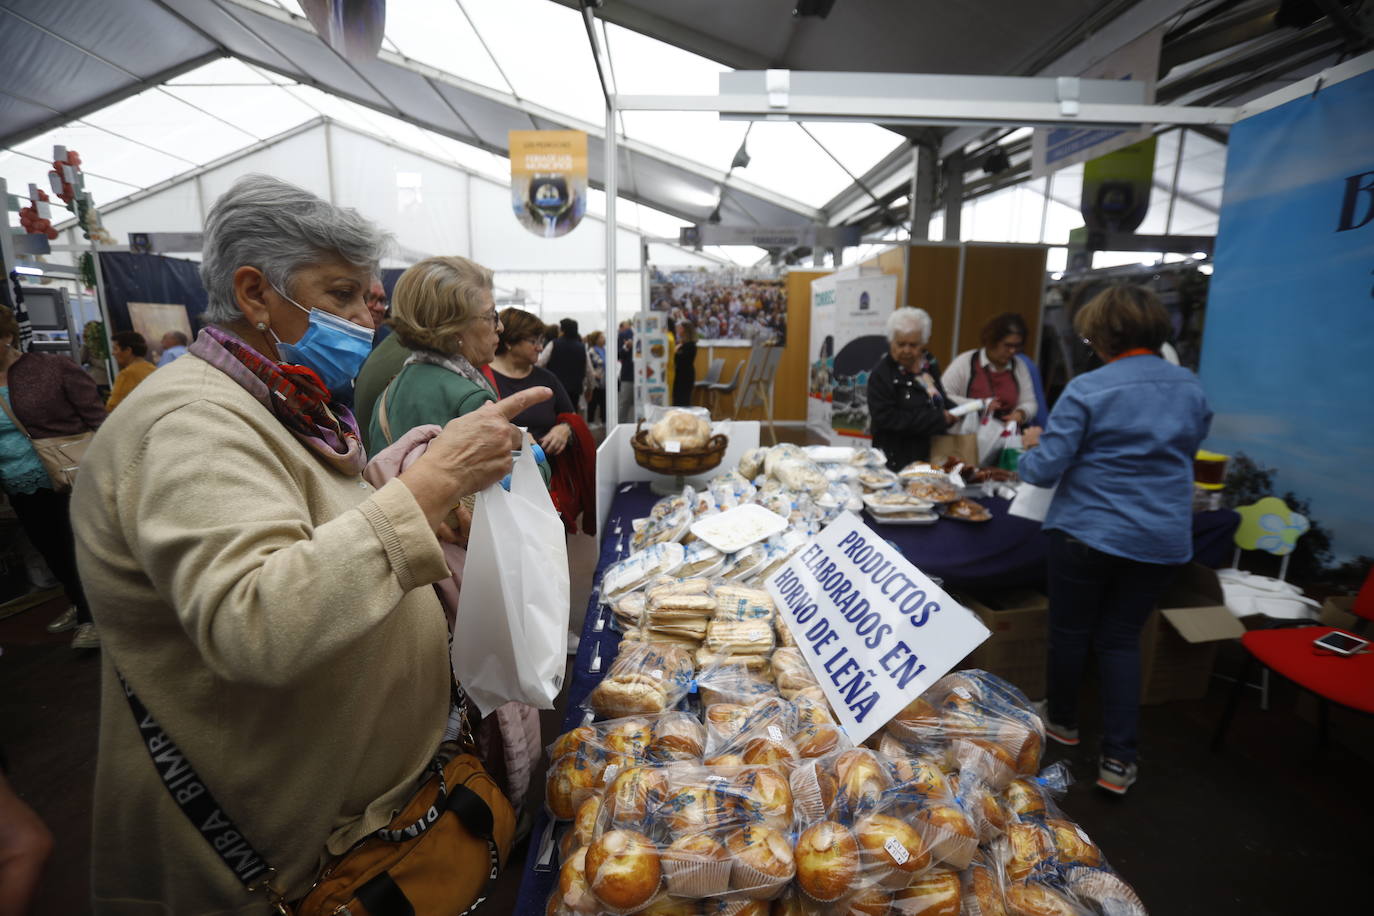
{"points": [[294, 394]]}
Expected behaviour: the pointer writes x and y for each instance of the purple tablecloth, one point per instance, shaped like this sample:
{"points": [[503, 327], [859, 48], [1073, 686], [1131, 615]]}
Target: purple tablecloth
{"points": [[1004, 552], [1010, 551]]}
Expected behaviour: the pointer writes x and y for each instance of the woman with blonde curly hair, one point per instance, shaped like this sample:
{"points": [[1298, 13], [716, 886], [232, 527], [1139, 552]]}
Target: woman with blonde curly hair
{"points": [[443, 312]]}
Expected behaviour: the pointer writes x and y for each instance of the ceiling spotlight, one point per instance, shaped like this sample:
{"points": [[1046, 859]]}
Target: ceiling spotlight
{"points": [[715, 215], [997, 161], [1199, 255]]}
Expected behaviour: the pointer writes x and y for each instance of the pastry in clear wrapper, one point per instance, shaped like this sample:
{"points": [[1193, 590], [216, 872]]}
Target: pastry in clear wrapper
{"points": [[695, 866], [765, 797], [1029, 848], [818, 740], [791, 672], [1025, 798], [634, 793], [938, 892], [573, 890], [861, 778], [623, 869], [571, 742], [827, 860], [874, 900], [779, 753], [739, 637], [631, 737], [948, 834], [891, 849], [763, 861], [1028, 898], [570, 780], [677, 736], [743, 602], [585, 822], [812, 707], [688, 429], [1071, 844]]}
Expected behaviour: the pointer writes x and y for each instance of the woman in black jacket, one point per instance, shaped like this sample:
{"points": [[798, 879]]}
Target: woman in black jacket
{"points": [[906, 403]]}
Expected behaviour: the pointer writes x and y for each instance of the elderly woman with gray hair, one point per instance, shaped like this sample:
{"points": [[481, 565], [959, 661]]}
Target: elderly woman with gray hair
{"points": [[253, 591], [906, 402]]}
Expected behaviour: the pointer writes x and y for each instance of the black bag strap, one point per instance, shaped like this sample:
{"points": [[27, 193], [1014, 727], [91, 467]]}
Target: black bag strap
{"points": [[193, 797]]}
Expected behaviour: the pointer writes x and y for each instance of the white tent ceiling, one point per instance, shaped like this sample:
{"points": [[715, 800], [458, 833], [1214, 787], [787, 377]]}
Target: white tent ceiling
{"points": [[151, 89]]}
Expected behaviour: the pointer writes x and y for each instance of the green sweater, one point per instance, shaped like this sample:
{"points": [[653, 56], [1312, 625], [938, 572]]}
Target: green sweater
{"points": [[421, 394]]}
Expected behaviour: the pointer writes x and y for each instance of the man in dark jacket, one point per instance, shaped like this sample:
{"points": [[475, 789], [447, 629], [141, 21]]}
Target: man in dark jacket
{"points": [[625, 349], [906, 404], [568, 360]]}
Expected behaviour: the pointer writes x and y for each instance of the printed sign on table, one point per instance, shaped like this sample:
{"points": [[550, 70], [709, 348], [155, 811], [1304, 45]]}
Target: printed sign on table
{"points": [[876, 631]]}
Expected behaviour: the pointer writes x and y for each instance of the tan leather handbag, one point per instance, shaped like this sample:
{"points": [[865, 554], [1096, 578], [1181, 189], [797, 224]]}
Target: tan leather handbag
{"points": [[61, 455]]}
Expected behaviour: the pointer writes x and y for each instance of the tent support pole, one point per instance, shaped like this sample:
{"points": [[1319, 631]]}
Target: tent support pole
{"points": [[612, 338]]}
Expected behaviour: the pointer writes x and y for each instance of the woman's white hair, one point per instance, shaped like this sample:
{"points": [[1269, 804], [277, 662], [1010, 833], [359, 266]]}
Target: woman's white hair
{"points": [[908, 320], [278, 228]]}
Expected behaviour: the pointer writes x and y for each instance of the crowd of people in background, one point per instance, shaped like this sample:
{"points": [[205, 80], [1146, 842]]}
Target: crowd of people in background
{"points": [[750, 309]]}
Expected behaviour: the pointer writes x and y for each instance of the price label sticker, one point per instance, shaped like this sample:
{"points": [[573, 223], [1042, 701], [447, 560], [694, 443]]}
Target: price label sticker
{"points": [[672, 446], [896, 850], [775, 733], [608, 777], [658, 674]]}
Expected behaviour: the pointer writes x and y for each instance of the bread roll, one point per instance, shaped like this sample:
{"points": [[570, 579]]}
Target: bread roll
{"points": [[938, 892], [573, 888], [764, 797]]}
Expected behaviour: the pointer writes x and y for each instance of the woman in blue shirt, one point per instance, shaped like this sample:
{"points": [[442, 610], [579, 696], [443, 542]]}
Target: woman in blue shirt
{"points": [[1120, 445]]}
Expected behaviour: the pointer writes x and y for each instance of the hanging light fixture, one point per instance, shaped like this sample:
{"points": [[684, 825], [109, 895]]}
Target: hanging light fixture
{"points": [[741, 160]]}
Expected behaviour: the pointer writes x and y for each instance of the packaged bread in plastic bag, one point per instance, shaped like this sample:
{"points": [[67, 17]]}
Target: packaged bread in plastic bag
{"points": [[645, 679], [726, 680], [636, 570]]}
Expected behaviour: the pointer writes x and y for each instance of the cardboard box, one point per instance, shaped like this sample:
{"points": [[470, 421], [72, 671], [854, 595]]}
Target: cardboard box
{"points": [[1336, 612], [1018, 647], [1179, 643]]}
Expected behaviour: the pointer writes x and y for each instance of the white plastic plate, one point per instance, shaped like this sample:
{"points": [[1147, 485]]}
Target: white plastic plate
{"points": [[737, 528]]}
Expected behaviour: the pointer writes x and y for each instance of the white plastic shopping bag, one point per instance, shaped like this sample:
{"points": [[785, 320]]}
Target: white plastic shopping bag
{"points": [[993, 436], [510, 640]]}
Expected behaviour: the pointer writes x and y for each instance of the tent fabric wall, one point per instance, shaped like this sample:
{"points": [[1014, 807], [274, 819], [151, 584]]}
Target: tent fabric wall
{"points": [[150, 278]]}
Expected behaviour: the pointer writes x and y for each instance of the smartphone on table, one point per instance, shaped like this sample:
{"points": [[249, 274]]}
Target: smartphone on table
{"points": [[1340, 643]]}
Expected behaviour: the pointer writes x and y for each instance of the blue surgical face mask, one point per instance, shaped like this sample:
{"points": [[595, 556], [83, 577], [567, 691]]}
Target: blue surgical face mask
{"points": [[334, 347]]}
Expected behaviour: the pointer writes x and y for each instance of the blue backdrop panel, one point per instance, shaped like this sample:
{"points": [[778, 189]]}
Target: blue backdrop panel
{"points": [[150, 278], [1288, 357]]}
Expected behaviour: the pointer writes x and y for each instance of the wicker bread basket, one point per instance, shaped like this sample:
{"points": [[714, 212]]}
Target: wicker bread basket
{"points": [[686, 463]]}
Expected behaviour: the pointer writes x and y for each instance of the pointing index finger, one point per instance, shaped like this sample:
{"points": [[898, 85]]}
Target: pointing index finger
{"points": [[518, 403]]}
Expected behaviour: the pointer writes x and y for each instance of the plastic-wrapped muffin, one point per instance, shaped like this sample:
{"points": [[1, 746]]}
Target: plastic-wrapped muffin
{"points": [[677, 736], [812, 707], [573, 889], [921, 774], [1027, 898], [763, 861], [938, 892], [818, 740], [696, 866], [1025, 798], [861, 779], [777, 752], [634, 793], [585, 821], [983, 888], [725, 719], [623, 869], [631, 738], [570, 780], [948, 833], [813, 790], [892, 850], [671, 906], [571, 742], [1030, 845], [874, 900], [827, 860], [1071, 844], [764, 797]]}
